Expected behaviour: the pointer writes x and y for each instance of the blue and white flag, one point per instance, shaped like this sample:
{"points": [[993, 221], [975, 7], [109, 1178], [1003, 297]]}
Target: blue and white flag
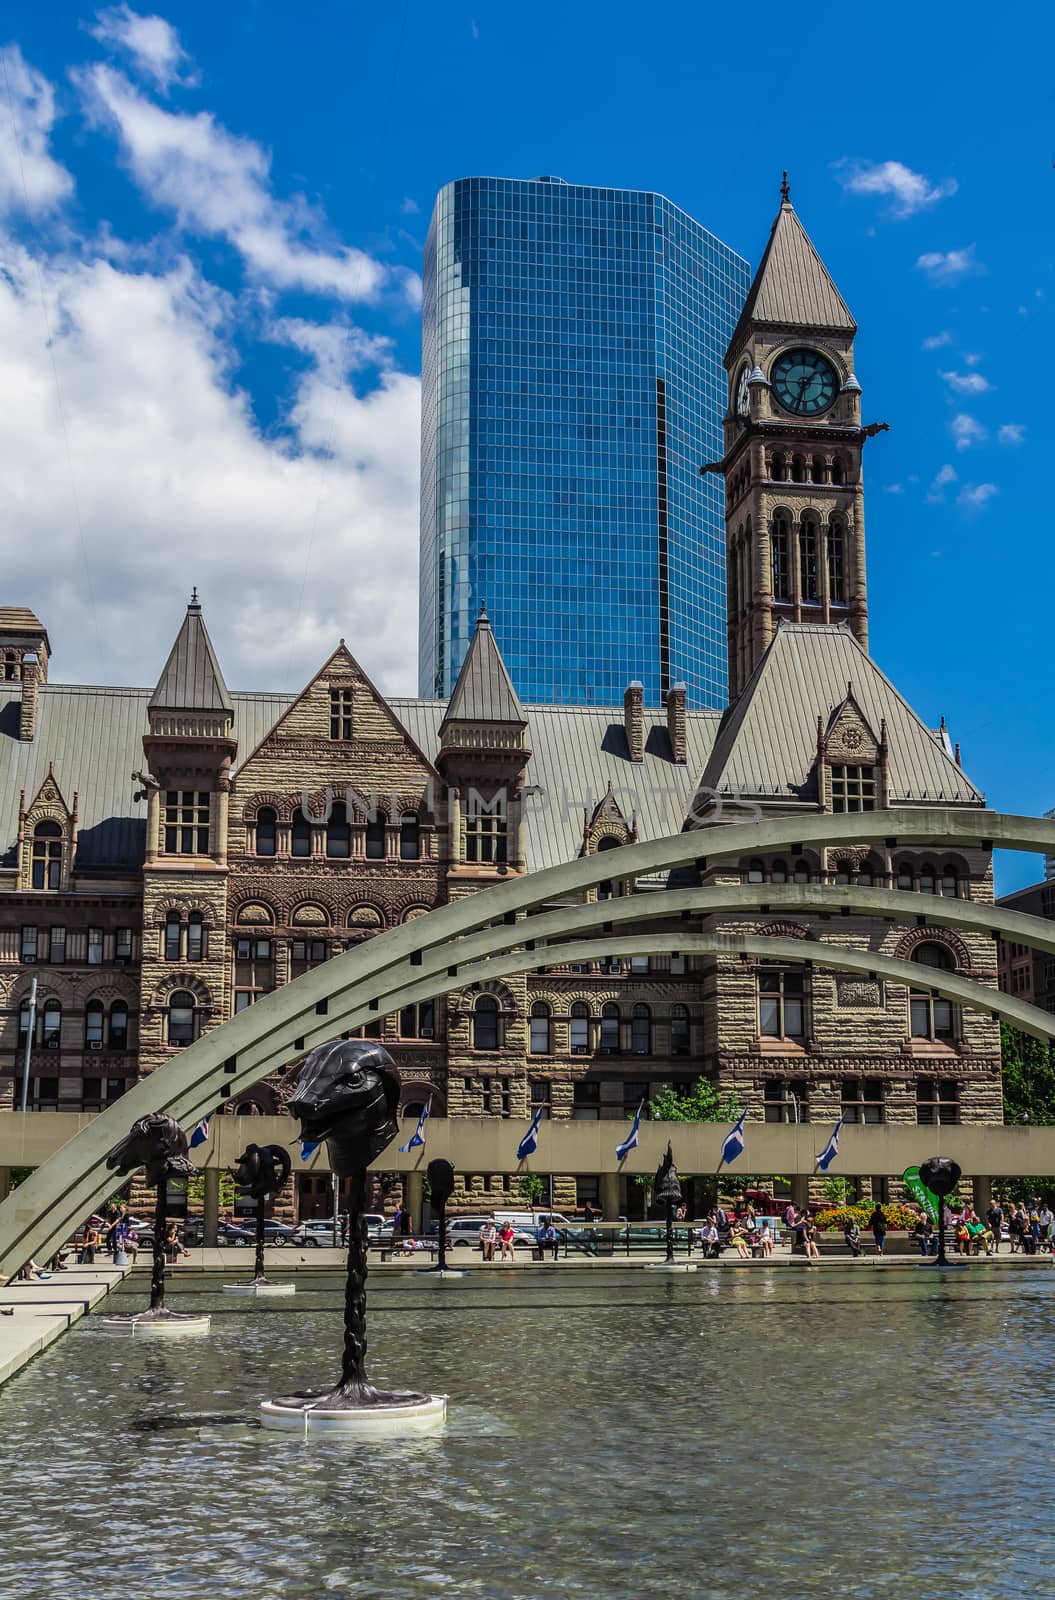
{"points": [[308, 1148], [831, 1149], [529, 1143], [201, 1133], [734, 1141], [417, 1138], [630, 1142]]}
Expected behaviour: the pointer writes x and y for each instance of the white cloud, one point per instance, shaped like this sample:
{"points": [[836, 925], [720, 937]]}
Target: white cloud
{"points": [[1011, 433], [972, 358], [975, 495], [948, 266], [910, 191], [177, 484], [967, 431], [30, 178], [218, 183], [893, 488], [944, 476], [152, 43], [967, 382], [936, 340], [409, 208]]}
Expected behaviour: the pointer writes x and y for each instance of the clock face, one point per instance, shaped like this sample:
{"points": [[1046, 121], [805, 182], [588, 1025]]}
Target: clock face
{"points": [[743, 393], [804, 382]]}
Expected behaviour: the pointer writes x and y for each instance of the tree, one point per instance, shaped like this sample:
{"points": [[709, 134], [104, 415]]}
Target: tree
{"points": [[228, 1190], [1029, 1078], [701, 1103], [531, 1188]]}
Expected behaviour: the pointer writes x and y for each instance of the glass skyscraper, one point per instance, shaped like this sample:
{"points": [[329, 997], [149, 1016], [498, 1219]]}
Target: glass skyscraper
{"points": [[572, 386]]}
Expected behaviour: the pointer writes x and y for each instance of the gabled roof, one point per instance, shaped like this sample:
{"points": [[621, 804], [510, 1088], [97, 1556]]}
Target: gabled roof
{"points": [[192, 680], [484, 691], [767, 744], [792, 286]]}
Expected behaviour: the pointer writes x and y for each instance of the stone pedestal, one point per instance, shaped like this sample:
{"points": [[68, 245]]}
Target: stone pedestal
{"points": [[358, 1422]]}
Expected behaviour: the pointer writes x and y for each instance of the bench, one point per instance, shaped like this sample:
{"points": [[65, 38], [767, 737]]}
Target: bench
{"points": [[385, 1251]]}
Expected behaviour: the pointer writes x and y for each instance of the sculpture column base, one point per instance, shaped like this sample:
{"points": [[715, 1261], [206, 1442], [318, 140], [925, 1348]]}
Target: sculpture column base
{"points": [[670, 1266], [260, 1290], [421, 1414], [441, 1272], [161, 1324]]}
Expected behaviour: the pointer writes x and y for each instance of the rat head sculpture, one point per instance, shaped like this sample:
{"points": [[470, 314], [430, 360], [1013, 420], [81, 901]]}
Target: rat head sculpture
{"points": [[262, 1170], [667, 1188], [157, 1143], [348, 1094]]}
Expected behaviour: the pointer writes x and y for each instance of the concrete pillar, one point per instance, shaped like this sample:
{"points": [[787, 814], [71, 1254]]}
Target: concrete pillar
{"points": [[610, 1205], [413, 1195], [800, 1191], [212, 1205], [153, 823], [981, 1194]]}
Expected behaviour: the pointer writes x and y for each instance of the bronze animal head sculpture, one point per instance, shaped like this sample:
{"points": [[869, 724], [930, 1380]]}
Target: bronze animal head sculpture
{"points": [[667, 1188], [941, 1175], [348, 1094], [263, 1170], [157, 1143]]}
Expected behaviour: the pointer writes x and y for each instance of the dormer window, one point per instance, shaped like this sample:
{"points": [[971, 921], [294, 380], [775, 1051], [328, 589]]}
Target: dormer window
{"points": [[47, 855], [853, 788], [186, 822], [341, 714]]}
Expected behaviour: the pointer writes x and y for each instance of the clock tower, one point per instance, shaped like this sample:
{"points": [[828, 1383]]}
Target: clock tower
{"points": [[794, 503]]}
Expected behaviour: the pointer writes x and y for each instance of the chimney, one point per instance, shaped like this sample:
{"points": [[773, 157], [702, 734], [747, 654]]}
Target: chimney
{"points": [[634, 719], [676, 721], [27, 725]]}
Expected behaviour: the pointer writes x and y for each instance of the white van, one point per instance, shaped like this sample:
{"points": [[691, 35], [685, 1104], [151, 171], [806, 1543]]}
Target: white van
{"points": [[531, 1221]]}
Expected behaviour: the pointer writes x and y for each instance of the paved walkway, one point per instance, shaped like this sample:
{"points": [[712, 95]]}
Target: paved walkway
{"points": [[44, 1310]]}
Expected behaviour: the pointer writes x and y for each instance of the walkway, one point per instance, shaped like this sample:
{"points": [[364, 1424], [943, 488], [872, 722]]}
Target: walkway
{"points": [[44, 1310]]}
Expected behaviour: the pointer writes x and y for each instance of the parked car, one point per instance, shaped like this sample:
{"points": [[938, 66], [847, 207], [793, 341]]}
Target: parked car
{"points": [[464, 1232], [317, 1233], [228, 1234], [276, 1232]]}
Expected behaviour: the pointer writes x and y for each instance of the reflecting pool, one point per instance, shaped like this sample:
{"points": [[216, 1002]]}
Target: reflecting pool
{"points": [[760, 1436]]}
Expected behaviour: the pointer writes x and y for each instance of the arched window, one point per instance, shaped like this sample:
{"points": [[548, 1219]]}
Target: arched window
{"points": [[300, 835], [641, 1031], [610, 1043], [798, 469], [679, 1030], [866, 875], [949, 881], [338, 832], [780, 538], [375, 836], [779, 468], [93, 1025], [51, 1031], [931, 1016], [756, 872], [610, 889], [836, 564], [182, 1029], [580, 1028], [195, 937], [904, 875], [409, 837], [802, 872], [540, 1029], [926, 878], [47, 855], [173, 931], [778, 872], [118, 1026], [808, 542], [837, 470], [485, 1023], [842, 874], [817, 473], [266, 831], [23, 1023]]}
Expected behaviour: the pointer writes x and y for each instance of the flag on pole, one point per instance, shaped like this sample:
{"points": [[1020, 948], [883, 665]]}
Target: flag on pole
{"points": [[733, 1145], [417, 1138], [630, 1142], [200, 1133], [529, 1143], [831, 1149], [308, 1148]]}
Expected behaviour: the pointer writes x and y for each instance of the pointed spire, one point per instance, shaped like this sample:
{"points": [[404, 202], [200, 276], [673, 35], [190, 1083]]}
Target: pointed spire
{"points": [[484, 691], [792, 287], [192, 680]]}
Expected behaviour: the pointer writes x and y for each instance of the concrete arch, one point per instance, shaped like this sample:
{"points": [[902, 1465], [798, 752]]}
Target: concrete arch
{"points": [[378, 976]]}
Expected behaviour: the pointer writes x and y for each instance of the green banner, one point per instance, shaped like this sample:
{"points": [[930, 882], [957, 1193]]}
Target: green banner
{"points": [[920, 1193]]}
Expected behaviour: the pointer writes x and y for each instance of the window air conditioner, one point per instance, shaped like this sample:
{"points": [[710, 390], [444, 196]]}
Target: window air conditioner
{"points": [[95, 1044]]}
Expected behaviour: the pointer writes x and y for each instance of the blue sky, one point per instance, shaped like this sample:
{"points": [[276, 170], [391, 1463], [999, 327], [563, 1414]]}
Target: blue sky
{"points": [[212, 219]]}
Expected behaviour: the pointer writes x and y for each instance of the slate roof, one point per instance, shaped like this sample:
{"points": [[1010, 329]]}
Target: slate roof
{"points": [[192, 680], [767, 744], [21, 621], [484, 691], [792, 285]]}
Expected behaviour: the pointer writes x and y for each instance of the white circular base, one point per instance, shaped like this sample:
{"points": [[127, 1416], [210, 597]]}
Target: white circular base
{"points": [[365, 1422], [670, 1266], [166, 1328], [445, 1272], [260, 1290]]}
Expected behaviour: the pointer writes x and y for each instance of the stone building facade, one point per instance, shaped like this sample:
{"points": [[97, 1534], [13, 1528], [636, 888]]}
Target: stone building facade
{"points": [[263, 834]]}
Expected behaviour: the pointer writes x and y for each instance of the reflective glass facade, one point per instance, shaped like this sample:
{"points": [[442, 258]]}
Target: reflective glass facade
{"points": [[572, 386]]}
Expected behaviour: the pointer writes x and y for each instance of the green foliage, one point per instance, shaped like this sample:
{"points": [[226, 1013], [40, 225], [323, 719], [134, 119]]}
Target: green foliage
{"points": [[228, 1190], [701, 1103], [645, 1180], [1029, 1078], [835, 1219], [840, 1191], [531, 1188]]}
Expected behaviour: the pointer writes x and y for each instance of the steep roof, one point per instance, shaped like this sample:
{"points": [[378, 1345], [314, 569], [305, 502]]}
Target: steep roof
{"points": [[484, 691], [767, 744], [20, 620], [191, 680], [792, 286]]}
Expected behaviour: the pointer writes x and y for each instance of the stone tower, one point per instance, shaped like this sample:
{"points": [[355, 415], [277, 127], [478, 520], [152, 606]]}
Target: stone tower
{"points": [[793, 439]]}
